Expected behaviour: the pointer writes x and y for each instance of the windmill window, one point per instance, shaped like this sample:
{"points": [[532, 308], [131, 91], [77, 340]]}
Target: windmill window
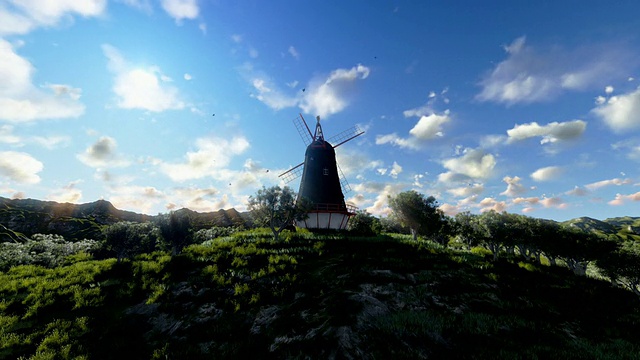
{"points": [[325, 171]]}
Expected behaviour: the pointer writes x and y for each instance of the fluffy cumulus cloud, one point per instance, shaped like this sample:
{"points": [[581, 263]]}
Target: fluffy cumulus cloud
{"points": [[19, 167], [550, 133], [547, 173], [331, 95], [621, 113], [530, 75], [137, 88], [21, 101], [473, 164], [322, 96], [23, 16], [488, 204], [213, 154], [427, 128], [514, 188], [103, 154], [181, 9]]}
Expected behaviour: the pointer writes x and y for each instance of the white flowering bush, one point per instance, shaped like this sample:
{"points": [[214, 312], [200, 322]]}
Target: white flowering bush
{"points": [[48, 250]]}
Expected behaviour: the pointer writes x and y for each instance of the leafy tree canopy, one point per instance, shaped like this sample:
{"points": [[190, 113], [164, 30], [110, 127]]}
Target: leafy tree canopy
{"points": [[277, 208], [419, 213]]}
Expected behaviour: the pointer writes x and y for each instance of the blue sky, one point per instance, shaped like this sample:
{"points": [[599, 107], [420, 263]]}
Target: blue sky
{"points": [[528, 107]]}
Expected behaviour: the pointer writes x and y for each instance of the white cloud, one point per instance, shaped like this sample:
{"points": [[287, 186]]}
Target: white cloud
{"points": [[466, 191], [188, 77], [322, 97], [631, 146], [488, 204], [68, 194], [21, 101], [293, 52], [621, 199], [547, 173], [213, 154], [330, 96], [577, 191], [181, 9], [530, 75], [140, 88], [514, 188], [22, 16], [102, 154], [142, 5], [427, 128], [7, 136], [395, 170], [553, 202], [53, 141], [136, 198], [621, 113], [20, 167], [608, 89], [474, 163], [550, 133], [599, 184], [271, 96]]}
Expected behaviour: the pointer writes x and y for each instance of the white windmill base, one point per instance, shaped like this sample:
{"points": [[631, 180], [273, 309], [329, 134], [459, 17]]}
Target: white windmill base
{"points": [[327, 218]]}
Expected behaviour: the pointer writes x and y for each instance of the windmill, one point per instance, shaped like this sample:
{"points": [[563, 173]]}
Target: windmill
{"points": [[322, 180]]}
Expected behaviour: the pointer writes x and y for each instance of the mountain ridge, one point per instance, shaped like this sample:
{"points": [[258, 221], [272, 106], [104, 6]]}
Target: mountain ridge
{"points": [[24, 217]]}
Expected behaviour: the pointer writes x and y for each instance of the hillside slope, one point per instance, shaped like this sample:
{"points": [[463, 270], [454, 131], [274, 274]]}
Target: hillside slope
{"points": [[315, 297]]}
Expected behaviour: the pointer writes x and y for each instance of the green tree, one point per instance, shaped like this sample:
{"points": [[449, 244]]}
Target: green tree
{"points": [[363, 223], [465, 227], [623, 268], [419, 213], [277, 208], [175, 229], [125, 239]]}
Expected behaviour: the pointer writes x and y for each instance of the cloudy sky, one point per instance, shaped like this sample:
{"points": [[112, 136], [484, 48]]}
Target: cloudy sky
{"points": [[531, 107]]}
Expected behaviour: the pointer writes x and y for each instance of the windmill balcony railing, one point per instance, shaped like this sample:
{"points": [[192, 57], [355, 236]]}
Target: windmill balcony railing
{"points": [[348, 208]]}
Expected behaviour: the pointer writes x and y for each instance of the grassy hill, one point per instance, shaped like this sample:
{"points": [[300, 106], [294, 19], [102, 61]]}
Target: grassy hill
{"points": [[313, 296], [624, 228]]}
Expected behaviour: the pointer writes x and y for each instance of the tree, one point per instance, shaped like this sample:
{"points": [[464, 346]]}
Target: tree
{"points": [[623, 268], [125, 239], [277, 208], [420, 214], [175, 229], [465, 226], [363, 223]]}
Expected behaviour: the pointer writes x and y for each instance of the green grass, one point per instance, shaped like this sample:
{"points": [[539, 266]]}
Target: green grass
{"points": [[313, 296]]}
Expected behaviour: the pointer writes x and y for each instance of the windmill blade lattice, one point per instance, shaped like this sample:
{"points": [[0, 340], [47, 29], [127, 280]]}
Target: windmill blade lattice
{"points": [[344, 184], [303, 130], [345, 136], [292, 174]]}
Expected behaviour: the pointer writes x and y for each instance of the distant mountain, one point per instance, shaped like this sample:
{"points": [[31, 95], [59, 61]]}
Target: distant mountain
{"points": [[625, 228], [21, 218]]}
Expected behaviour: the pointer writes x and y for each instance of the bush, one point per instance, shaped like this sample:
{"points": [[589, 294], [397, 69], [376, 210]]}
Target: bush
{"points": [[43, 249]]}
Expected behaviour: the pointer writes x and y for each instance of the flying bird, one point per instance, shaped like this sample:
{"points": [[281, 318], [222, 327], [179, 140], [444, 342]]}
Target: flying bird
{"points": [[302, 89]]}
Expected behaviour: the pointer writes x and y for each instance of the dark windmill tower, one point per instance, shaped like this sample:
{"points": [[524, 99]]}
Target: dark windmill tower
{"points": [[322, 181]]}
